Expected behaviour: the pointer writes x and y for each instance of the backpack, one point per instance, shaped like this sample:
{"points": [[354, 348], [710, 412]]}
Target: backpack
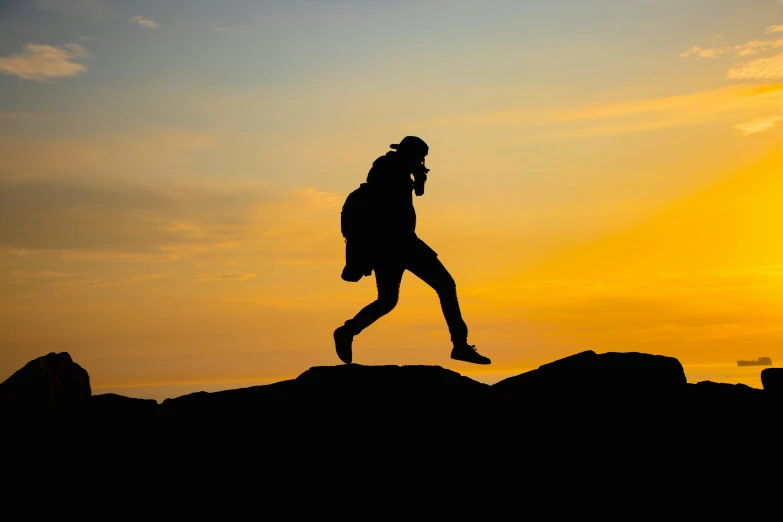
{"points": [[356, 220]]}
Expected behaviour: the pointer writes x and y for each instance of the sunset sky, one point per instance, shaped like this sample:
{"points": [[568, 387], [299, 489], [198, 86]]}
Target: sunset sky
{"points": [[605, 175]]}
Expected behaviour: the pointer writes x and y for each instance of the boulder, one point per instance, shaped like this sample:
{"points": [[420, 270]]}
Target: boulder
{"points": [[585, 375], [345, 410], [53, 381], [772, 380], [390, 384], [721, 395], [723, 411], [342, 392]]}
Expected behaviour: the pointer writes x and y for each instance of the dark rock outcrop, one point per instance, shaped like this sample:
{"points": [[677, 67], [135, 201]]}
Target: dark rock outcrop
{"points": [[342, 392], [588, 376], [709, 399], [725, 394], [772, 380], [111, 405], [586, 421], [637, 394], [51, 382]]}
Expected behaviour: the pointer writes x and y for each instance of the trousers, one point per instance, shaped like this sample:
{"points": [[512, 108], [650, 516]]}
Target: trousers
{"points": [[423, 262]]}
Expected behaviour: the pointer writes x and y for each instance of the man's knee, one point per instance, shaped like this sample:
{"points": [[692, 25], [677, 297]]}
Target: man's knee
{"points": [[387, 303], [447, 287]]}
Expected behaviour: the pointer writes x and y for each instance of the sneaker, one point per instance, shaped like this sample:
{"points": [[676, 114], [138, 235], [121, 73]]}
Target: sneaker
{"points": [[343, 339], [467, 352]]}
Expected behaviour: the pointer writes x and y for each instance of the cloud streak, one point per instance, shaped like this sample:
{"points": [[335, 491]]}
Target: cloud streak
{"points": [[135, 225], [639, 115], [40, 62], [144, 22], [758, 125], [760, 69], [712, 52], [757, 46], [121, 222]]}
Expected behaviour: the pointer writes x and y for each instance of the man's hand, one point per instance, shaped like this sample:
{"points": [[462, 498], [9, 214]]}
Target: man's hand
{"points": [[418, 182]]}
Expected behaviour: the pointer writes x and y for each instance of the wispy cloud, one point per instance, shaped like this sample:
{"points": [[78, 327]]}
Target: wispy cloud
{"points": [[745, 49], [124, 153], [211, 227], [756, 46], [645, 114], [758, 125], [315, 199], [40, 62], [144, 22], [124, 223], [712, 52], [760, 69]]}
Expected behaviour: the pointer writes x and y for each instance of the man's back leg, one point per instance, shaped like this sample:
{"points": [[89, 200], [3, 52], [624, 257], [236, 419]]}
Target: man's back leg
{"points": [[387, 280]]}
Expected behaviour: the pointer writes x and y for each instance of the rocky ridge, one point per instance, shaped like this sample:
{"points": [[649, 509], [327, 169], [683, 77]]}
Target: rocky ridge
{"points": [[596, 421], [620, 385]]}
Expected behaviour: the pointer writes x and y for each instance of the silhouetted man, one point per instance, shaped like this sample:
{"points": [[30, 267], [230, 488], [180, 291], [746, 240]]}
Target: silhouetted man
{"points": [[394, 247]]}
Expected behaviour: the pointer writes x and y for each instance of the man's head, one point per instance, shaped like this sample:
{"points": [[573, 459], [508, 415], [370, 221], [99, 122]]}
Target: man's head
{"points": [[411, 147]]}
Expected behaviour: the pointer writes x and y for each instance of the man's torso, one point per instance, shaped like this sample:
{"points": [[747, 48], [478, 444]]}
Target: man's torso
{"points": [[392, 192]]}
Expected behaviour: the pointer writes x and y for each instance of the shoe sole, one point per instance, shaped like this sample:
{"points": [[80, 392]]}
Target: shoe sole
{"points": [[472, 362]]}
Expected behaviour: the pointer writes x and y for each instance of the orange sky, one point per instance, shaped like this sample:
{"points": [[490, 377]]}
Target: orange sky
{"points": [[170, 190]]}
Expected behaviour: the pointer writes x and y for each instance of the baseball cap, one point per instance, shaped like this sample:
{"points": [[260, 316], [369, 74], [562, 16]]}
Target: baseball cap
{"points": [[411, 144]]}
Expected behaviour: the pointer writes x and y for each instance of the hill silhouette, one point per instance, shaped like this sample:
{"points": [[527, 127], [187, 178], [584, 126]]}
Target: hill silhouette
{"points": [[631, 413], [619, 386]]}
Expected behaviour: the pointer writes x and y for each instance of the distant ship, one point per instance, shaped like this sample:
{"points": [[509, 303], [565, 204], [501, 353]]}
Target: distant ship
{"points": [[761, 361]]}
